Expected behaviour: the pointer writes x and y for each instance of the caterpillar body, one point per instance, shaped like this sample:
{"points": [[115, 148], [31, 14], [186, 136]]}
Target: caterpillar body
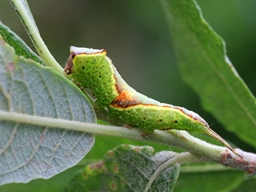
{"points": [[94, 70]]}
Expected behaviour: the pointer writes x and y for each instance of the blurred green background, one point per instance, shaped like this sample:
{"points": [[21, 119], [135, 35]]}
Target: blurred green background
{"points": [[138, 40]]}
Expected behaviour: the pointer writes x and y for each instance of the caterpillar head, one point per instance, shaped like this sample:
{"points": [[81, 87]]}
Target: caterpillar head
{"points": [[80, 56]]}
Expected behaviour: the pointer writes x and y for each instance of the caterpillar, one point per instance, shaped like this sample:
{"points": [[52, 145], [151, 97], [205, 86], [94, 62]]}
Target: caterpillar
{"points": [[94, 70]]}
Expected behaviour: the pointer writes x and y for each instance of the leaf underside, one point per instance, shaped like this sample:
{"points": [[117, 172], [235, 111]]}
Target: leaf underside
{"points": [[125, 168], [28, 151]]}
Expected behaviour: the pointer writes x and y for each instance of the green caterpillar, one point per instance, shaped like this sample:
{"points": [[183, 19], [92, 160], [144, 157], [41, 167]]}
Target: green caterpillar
{"points": [[94, 70]]}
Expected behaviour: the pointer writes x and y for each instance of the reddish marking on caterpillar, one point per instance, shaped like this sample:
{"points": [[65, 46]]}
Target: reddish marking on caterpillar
{"points": [[118, 88], [192, 115], [124, 100], [69, 64]]}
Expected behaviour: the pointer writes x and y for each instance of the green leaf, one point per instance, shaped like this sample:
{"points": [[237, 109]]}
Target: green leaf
{"points": [[208, 177], [207, 69], [18, 44], [30, 151], [248, 185], [126, 168]]}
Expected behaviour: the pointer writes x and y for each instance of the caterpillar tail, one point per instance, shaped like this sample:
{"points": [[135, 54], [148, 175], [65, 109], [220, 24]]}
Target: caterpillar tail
{"points": [[214, 135]]}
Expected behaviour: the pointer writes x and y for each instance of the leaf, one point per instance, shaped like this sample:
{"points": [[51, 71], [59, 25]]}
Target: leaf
{"points": [[195, 178], [126, 168], [29, 151], [54, 184], [248, 185], [207, 69], [18, 44]]}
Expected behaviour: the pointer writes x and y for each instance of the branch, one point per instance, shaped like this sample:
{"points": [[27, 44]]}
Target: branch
{"points": [[180, 139]]}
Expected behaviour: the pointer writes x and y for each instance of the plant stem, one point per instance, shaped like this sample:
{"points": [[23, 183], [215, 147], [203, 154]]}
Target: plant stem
{"points": [[179, 139], [22, 9]]}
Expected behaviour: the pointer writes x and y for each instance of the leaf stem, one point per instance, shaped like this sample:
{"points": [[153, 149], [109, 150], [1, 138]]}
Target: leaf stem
{"points": [[22, 9]]}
